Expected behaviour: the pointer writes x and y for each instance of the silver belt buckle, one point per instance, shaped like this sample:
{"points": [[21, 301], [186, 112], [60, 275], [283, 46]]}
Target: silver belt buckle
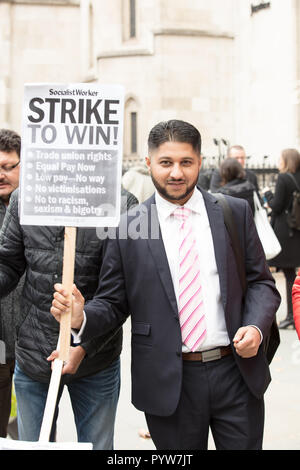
{"points": [[211, 355]]}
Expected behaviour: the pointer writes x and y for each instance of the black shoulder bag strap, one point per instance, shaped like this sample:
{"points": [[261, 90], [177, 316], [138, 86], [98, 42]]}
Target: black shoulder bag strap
{"points": [[271, 342], [295, 181], [230, 225]]}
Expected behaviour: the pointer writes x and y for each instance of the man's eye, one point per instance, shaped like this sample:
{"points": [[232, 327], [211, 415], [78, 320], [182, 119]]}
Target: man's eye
{"points": [[165, 163]]}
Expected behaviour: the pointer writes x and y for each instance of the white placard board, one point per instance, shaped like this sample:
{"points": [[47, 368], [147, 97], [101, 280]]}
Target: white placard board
{"points": [[7, 444], [71, 156]]}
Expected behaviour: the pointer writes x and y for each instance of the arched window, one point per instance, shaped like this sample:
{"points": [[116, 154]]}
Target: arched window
{"points": [[132, 18], [133, 132], [129, 19], [131, 129]]}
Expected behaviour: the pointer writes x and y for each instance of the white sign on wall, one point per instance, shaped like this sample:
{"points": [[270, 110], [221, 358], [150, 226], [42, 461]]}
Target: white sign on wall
{"points": [[71, 157]]}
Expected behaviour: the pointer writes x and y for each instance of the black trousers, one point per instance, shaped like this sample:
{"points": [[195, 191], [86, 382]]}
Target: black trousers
{"points": [[6, 375], [289, 274], [213, 396]]}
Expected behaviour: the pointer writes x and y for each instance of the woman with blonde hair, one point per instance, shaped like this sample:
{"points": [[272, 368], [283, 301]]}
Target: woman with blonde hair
{"points": [[280, 202]]}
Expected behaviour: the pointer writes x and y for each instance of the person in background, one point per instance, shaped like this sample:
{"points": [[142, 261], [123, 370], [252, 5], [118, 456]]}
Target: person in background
{"points": [[10, 308], [92, 374], [138, 182], [204, 177], [234, 182], [296, 303], [238, 153], [289, 258]]}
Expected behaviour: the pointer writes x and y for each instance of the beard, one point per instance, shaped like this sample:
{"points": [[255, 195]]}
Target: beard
{"points": [[163, 191]]}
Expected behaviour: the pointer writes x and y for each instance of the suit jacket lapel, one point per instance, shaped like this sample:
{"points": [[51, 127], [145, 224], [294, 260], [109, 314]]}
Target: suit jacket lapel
{"points": [[158, 252], [216, 220], [156, 246]]}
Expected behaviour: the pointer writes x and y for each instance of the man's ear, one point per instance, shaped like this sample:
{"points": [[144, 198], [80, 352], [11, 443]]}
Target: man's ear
{"points": [[148, 162], [200, 162]]}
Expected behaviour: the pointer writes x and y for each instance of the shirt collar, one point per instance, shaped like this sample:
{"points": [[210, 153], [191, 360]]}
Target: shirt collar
{"points": [[166, 208]]}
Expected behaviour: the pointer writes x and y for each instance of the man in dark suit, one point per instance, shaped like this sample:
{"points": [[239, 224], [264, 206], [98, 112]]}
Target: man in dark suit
{"points": [[237, 152], [198, 356]]}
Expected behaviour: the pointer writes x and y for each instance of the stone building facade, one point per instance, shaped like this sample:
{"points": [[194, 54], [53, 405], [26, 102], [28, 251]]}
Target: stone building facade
{"points": [[266, 78], [174, 58], [39, 42], [229, 66]]}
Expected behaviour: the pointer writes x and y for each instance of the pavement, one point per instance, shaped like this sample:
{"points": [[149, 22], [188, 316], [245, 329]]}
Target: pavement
{"points": [[282, 404]]}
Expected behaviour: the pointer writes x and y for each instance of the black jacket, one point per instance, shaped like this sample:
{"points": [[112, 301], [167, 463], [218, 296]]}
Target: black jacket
{"points": [[279, 202], [38, 251], [11, 313], [215, 181], [241, 188]]}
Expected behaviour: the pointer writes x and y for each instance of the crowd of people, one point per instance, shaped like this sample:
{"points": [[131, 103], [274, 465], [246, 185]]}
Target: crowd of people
{"points": [[199, 336], [234, 179]]}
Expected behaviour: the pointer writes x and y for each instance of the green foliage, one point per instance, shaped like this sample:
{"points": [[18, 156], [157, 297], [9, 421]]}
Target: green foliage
{"points": [[13, 412]]}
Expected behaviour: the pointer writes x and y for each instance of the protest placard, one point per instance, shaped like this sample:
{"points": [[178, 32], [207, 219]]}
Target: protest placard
{"points": [[71, 155], [7, 444], [71, 168]]}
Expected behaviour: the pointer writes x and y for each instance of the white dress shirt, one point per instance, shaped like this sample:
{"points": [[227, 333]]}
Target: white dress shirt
{"points": [[170, 228]]}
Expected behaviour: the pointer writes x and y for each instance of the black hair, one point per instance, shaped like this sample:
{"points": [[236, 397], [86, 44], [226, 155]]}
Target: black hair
{"points": [[231, 169], [174, 131], [10, 141]]}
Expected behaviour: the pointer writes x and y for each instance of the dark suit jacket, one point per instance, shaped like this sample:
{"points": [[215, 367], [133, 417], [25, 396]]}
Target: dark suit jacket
{"points": [[135, 280]]}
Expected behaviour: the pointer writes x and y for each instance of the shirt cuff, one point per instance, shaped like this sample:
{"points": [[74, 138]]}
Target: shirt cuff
{"points": [[261, 335], [77, 334]]}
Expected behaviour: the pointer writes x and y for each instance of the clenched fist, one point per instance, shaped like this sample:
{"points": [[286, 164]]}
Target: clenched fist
{"points": [[61, 305]]}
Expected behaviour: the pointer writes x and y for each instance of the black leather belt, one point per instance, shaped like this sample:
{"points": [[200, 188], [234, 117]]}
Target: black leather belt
{"points": [[206, 356]]}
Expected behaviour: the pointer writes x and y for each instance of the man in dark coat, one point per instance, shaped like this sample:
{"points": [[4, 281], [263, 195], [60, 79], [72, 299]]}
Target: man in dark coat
{"points": [[11, 312], [92, 374]]}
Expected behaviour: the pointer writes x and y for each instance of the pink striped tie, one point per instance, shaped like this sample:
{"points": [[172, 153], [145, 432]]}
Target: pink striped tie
{"points": [[191, 309]]}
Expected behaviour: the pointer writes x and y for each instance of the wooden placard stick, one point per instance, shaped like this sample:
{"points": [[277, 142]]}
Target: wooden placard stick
{"points": [[64, 334], [51, 401], [67, 281]]}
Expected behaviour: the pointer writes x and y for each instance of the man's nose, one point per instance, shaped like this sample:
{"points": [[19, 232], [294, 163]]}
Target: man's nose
{"points": [[176, 172]]}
